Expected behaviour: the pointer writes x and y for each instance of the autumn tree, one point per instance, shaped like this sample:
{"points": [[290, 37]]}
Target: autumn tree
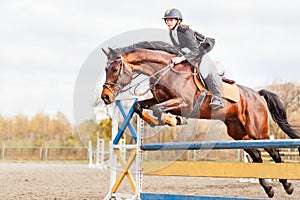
{"points": [[87, 130], [41, 129], [105, 129], [289, 93]]}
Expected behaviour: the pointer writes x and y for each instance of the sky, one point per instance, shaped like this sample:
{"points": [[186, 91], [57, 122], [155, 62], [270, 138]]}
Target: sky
{"points": [[45, 44]]}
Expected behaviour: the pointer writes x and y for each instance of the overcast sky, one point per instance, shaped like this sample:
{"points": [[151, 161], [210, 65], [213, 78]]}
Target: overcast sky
{"points": [[44, 43]]}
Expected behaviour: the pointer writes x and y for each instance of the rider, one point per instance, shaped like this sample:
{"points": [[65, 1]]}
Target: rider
{"points": [[192, 50]]}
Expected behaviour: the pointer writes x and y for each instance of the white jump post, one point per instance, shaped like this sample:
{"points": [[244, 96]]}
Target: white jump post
{"points": [[90, 153], [120, 166], [100, 153]]}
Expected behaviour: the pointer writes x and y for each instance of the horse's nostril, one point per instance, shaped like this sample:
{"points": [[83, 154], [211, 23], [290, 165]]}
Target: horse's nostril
{"points": [[105, 98]]}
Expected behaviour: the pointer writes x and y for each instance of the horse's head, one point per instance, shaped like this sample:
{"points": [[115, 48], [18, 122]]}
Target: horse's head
{"points": [[118, 75]]}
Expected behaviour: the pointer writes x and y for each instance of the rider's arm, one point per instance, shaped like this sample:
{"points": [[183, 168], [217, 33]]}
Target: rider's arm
{"points": [[190, 46]]}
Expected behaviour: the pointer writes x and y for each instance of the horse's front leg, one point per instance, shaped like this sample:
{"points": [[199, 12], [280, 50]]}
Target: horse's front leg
{"points": [[146, 104], [174, 105]]}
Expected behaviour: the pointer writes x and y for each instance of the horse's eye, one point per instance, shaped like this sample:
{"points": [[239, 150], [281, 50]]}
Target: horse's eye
{"points": [[114, 69]]}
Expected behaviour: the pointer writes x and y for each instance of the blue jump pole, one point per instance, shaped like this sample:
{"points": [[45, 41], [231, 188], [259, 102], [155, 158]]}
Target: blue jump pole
{"points": [[151, 196], [237, 144], [126, 122]]}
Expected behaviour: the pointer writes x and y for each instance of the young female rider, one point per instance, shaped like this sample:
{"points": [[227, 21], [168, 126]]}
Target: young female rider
{"points": [[192, 50]]}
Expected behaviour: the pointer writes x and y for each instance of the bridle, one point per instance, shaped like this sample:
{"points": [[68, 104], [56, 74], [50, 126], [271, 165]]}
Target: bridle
{"points": [[116, 88], [124, 69]]}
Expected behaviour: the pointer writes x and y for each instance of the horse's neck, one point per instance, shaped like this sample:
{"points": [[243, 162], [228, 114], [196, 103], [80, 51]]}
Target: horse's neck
{"points": [[147, 62]]}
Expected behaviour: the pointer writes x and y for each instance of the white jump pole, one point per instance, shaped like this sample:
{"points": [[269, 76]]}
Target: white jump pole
{"points": [[90, 152], [100, 151]]}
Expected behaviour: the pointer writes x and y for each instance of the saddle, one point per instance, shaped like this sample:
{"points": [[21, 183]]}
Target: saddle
{"points": [[228, 89]]}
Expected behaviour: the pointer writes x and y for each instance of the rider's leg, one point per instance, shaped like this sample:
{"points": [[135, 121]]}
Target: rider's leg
{"points": [[216, 99], [209, 71]]}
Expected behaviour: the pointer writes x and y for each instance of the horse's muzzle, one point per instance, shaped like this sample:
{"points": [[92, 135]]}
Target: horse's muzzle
{"points": [[107, 96]]}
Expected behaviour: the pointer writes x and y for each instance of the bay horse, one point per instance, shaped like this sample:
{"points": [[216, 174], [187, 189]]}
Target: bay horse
{"points": [[174, 91]]}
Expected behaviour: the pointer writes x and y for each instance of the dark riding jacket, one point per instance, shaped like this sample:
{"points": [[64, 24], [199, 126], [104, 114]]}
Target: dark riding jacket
{"points": [[192, 44]]}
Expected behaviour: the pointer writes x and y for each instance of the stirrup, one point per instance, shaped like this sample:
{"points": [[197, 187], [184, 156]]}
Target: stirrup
{"points": [[216, 103]]}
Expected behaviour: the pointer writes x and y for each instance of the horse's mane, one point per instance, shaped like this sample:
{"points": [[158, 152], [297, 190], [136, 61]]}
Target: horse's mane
{"points": [[151, 45]]}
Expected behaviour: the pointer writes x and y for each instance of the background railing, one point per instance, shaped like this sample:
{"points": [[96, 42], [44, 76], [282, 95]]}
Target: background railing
{"points": [[43, 153]]}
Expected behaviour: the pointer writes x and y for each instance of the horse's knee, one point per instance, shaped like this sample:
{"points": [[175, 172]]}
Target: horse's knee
{"points": [[138, 109], [181, 120]]}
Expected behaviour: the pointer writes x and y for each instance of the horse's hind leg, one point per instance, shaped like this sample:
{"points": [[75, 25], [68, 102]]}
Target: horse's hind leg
{"points": [[256, 157], [274, 153]]}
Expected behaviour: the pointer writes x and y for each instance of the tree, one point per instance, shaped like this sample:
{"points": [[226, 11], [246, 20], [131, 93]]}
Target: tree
{"points": [[87, 130], [41, 129], [105, 129], [290, 96], [61, 126], [20, 126], [5, 128]]}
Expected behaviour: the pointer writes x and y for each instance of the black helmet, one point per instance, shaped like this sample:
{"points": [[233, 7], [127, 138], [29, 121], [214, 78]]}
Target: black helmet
{"points": [[173, 13]]}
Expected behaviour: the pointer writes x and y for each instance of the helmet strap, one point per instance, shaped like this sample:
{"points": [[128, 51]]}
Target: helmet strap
{"points": [[177, 23]]}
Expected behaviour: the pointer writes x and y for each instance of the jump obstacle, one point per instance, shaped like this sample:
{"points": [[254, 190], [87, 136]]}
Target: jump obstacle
{"points": [[97, 158], [182, 168]]}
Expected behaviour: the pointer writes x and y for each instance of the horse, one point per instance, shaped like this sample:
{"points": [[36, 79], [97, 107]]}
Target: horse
{"points": [[175, 91]]}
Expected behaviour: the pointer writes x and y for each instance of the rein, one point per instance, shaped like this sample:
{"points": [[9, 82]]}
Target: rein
{"points": [[136, 85], [181, 72], [118, 88], [163, 71]]}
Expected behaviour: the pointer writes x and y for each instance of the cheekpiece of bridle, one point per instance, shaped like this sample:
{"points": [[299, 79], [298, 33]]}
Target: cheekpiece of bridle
{"points": [[117, 87]]}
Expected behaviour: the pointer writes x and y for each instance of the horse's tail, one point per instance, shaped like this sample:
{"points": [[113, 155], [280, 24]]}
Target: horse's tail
{"points": [[278, 112]]}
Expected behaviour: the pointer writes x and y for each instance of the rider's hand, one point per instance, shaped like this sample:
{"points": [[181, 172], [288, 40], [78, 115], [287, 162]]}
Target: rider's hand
{"points": [[177, 60]]}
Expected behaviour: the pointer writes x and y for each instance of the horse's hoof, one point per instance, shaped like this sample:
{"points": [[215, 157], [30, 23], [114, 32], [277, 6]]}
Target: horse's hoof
{"points": [[159, 123], [290, 190], [181, 120], [270, 192], [152, 124], [169, 119]]}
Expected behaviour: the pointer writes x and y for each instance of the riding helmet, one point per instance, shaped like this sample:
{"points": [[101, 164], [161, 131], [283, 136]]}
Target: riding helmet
{"points": [[173, 13]]}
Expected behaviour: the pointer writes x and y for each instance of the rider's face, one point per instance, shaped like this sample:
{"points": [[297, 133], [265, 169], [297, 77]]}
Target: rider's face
{"points": [[171, 22]]}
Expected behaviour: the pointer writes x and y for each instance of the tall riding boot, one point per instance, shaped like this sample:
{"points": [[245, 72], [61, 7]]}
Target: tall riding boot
{"points": [[216, 99]]}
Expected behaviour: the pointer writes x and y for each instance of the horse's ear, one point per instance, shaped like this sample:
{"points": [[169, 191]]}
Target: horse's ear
{"points": [[106, 52], [112, 52]]}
